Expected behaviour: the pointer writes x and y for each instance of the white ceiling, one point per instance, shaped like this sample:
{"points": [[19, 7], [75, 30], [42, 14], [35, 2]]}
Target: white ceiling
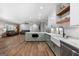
{"points": [[25, 12]]}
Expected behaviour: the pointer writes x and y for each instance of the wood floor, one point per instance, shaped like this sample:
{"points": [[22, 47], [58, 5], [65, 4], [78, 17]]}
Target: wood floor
{"points": [[16, 46]]}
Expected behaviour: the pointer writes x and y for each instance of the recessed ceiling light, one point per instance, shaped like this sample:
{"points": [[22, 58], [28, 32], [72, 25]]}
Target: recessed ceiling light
{"points": [[41, 7]]}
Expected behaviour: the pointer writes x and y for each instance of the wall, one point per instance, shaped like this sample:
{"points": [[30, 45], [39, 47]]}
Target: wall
{"points": [[5, 26], [24, 27], [72, 31], [10, 27], [2, 25], [74, 13], [52, 18], [74, 20], [43, 26], [34, 28]]}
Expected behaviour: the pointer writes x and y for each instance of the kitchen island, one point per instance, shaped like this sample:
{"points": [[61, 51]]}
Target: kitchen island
{"points": [[34, 36]]}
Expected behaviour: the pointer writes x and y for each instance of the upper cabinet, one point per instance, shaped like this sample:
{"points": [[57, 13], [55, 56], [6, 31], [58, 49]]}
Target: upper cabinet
{"points": [[63, 14], [74, 13], [63, 9]]}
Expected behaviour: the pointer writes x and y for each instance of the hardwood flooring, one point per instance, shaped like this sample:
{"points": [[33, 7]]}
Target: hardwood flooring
{"points": [[16, 46]]}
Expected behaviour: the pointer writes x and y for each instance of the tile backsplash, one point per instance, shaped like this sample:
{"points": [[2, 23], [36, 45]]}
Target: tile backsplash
{"points": [[72, 31]]}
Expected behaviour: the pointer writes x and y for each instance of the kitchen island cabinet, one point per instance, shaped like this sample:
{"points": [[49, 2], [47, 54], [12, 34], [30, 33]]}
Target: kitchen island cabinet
{"points": [[35, 36]]}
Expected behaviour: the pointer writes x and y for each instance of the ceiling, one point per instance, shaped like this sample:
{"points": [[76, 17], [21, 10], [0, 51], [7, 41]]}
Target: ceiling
{"points": [[25, 12]]}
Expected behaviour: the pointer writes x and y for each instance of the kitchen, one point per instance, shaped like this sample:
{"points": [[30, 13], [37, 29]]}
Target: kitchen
{"points": [[39, 29]]}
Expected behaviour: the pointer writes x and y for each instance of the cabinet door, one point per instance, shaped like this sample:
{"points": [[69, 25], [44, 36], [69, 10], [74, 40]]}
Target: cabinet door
{"points": [[51, 45], [44, 37], [65, 51], [47, 37], [75, 53], [74, 14], [49, 42], [56, 49]]}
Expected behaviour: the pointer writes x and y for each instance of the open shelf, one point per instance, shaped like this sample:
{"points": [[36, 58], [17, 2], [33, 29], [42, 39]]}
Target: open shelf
{"points": [[63, 21], [64, 10]]}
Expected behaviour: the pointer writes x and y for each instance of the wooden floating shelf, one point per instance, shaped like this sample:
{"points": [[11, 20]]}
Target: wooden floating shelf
{"points": [[64, 10], [63, 21]]}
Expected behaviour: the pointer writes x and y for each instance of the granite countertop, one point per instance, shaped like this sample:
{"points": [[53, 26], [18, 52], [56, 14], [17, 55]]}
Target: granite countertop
{"points": [[71, 41], [35, 32], [48, 33]]}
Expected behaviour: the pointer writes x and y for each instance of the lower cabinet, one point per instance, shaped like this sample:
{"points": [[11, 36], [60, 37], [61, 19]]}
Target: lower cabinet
{"points": [[67, 51], [47, 37], [49, 43], [75, 53], [54, 48]]}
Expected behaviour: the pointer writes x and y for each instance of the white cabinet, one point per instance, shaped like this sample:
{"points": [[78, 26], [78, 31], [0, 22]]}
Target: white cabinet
{"points": [[74, 14]]}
